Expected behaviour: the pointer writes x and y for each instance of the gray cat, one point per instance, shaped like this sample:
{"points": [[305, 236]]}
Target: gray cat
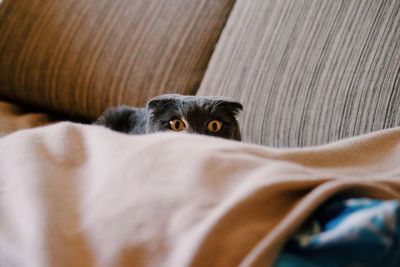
{"points": [[213, 116]]}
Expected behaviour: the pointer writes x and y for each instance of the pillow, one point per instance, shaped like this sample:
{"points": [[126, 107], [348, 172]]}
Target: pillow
{"points": [[309, 72], [79, 57]]}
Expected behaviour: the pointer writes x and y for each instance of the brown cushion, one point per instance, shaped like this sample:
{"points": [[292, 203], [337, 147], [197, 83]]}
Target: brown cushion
{"points": [[15, 117], [79, 57], [310, 72]]}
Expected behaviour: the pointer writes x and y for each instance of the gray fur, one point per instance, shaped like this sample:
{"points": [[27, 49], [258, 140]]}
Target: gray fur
{"points": [[198, 111]]}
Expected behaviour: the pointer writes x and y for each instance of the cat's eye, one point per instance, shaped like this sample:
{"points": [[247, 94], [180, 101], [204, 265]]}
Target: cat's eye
{"points": [[214, 126], [177, 125]]}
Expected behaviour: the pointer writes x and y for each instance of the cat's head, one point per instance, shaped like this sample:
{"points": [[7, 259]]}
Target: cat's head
{"points": [[215, 116]]}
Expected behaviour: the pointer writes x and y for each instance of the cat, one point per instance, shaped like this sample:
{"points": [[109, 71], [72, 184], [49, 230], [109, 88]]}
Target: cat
{"points": [[214, 116]]}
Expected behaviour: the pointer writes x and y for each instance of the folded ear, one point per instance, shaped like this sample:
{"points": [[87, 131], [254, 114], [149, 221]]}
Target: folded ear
{"points": [[229, 105], [161, 101], [236, 107]]}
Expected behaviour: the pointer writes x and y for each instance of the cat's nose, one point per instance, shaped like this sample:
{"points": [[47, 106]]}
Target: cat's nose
{"points": [[192, 131]]}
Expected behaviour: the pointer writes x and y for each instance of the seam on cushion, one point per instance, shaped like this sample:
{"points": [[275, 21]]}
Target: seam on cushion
{"points": [[216, 44]]}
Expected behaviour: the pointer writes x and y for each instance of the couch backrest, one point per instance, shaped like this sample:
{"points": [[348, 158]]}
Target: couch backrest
{"points": [[78, 57], [309, 71]]}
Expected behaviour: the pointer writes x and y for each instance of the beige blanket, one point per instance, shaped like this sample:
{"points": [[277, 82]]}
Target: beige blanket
{"points": [[74, 195]]}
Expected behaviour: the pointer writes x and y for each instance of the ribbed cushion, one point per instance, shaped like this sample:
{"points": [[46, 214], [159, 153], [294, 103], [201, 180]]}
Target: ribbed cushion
{"points": [[311, 71], [81, 56]]}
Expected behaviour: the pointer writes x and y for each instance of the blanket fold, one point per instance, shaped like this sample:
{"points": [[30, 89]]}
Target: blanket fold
{"points": [[78, 195]]}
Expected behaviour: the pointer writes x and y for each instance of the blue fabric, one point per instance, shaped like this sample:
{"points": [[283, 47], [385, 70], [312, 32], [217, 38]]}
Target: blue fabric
{"points": [[347, 232]]}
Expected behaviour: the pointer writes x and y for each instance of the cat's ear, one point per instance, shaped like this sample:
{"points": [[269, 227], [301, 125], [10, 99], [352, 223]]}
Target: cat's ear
{"points": [[232, 106], [236, 107], [160, 101]]}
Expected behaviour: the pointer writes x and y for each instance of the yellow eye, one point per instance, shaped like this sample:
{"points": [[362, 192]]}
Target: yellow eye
{"points": [[214, 126], [177, 125]]}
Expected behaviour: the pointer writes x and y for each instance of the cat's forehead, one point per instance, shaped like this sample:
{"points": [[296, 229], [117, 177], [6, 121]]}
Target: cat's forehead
{"points": [[183, 102], [195, 105], [200, 107], [197, 102], [194, 100]]}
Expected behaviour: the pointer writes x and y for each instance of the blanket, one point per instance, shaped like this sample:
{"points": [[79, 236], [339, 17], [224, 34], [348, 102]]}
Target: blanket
{"points": [[78, 195]]}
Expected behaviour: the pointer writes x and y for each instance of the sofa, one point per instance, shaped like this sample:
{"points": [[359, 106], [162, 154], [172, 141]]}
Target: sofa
{"points": [[319, 83]]}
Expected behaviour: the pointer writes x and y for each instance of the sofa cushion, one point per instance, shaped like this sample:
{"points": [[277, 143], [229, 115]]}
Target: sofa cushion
{"points": [[309, 72], [79, 57]]}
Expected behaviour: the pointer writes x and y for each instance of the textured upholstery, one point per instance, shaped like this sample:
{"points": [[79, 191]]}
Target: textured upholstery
{"points": [[80, 56], [309, 71]]}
